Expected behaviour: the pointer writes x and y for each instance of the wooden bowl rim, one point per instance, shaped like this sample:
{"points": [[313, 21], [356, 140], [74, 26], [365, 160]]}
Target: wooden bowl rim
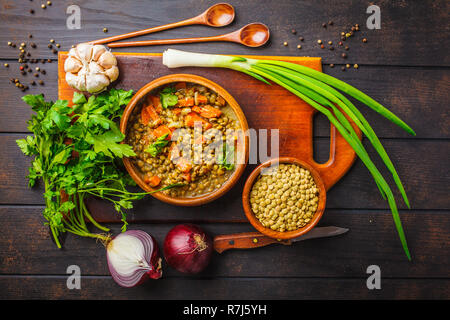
{"points": [[288, 234], [181, 77]]}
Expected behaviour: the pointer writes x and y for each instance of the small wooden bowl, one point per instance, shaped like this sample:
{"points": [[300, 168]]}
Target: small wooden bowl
{"points": [[287, 234], [194, 201]]}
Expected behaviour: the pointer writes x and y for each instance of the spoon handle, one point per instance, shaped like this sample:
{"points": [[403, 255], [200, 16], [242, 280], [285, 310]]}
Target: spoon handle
{"points": [[168, 41], [187, 22]]}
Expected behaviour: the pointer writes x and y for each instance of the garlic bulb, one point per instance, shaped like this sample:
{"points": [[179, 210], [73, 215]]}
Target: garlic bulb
{"points": [[90, 68]]}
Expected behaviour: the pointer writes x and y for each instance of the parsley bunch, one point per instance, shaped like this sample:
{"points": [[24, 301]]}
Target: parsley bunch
{"points": [[76, 151]]}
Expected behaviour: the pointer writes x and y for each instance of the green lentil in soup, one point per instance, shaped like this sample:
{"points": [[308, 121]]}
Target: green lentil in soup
{"points": [[162, 157], [285, 198]]}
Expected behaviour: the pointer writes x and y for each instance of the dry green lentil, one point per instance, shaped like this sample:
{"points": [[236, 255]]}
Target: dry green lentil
{"points": [[277, 197]]}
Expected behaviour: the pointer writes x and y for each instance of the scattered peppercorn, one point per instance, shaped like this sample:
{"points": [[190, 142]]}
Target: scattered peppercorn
{"points": [[364, 40], [49, 3], [6, 65], [33, 83], [347, 65], [43, 6], [330, 42], [285, 43], [105, 30], [55, 51], [346, 48], [344, 55], [331, 65], [52, 40], [23, 44], [43, 72], [299, 46], [319, 41], [33, 45], [301, 38], [58, 45], [41, 82], [355, 66], [294, 31], [331, 48], [322, 46], [324, 25], [32, 11], [347, 35], [42, 60], [330, 23], [30, 36], [36, 75], [49, 46], [9, 43], [343, 68]]}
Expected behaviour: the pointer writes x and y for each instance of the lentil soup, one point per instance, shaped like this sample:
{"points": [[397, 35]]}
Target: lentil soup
{"points": [[167, 127]]}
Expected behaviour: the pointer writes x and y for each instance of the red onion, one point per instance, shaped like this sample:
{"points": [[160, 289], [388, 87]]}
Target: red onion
{"points": [[133, 257], [187, 248]]}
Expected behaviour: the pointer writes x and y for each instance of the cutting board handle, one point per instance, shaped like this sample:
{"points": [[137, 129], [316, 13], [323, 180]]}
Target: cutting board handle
{"points": [[342, 157]]}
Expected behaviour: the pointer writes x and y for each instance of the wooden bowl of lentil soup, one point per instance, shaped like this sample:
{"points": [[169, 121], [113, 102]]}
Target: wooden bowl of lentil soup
{"points": [[287, 203], [150, 122]]}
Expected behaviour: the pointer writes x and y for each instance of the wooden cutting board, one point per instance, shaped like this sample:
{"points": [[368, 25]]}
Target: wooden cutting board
{"points": [[266, 107]]}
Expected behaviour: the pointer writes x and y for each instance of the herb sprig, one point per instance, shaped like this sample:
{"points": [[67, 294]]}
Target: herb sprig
{"points": [[75, 152]]}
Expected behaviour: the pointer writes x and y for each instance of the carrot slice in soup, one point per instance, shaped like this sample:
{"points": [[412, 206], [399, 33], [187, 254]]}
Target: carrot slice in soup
{"points": [[202, 99], [207, 111], [186, 176], [153, 181], [187, 102], [149, 113], [156, 102], [192, 118], [162, 130], [184, 165], [180, 85]]}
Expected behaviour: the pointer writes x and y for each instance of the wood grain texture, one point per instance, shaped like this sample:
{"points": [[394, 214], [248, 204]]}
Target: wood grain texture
{"points": [[416, 95], [96, 288], [390, 45], [419, 164], [26, 248], [276, 109], [404, 66]]}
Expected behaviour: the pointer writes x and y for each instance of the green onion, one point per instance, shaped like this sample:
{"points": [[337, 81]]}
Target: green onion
{"points": [[320, 91]]}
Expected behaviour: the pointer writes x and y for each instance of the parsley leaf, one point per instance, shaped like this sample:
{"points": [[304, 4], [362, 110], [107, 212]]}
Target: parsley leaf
{"points": [[168, 99], [156, 147], [226, 158]]}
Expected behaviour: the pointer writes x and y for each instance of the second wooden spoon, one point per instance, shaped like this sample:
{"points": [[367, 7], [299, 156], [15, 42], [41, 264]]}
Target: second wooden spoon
{"points": [[251, 35]]}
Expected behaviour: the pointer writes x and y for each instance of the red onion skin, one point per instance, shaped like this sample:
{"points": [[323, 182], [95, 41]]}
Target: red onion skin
{"points": [[155, 263], [187, 248]]}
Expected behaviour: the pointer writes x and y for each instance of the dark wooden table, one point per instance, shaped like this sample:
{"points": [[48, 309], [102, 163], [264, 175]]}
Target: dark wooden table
{"points": [[404, 65]]}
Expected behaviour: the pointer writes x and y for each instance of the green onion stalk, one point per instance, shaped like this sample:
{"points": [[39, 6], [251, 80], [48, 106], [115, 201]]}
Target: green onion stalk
{"points": [[325, 94]]}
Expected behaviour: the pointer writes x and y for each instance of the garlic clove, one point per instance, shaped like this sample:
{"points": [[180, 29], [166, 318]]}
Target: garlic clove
{"points": [[107, 60], [72, 65], [72, 80], [97, 51], [84, 51], [112, 73], [96, 82], [94, 67], [73, 53]]}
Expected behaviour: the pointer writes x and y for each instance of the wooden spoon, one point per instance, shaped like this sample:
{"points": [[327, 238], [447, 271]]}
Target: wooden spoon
{"points": [[251, 35], [219, 15]]}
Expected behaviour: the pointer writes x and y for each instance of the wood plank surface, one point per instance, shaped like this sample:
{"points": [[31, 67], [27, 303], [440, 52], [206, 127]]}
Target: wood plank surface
{"points": [[28, 249], [54, 287], [416, 95], [404, 65], [418, 164], [406, 27]]}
